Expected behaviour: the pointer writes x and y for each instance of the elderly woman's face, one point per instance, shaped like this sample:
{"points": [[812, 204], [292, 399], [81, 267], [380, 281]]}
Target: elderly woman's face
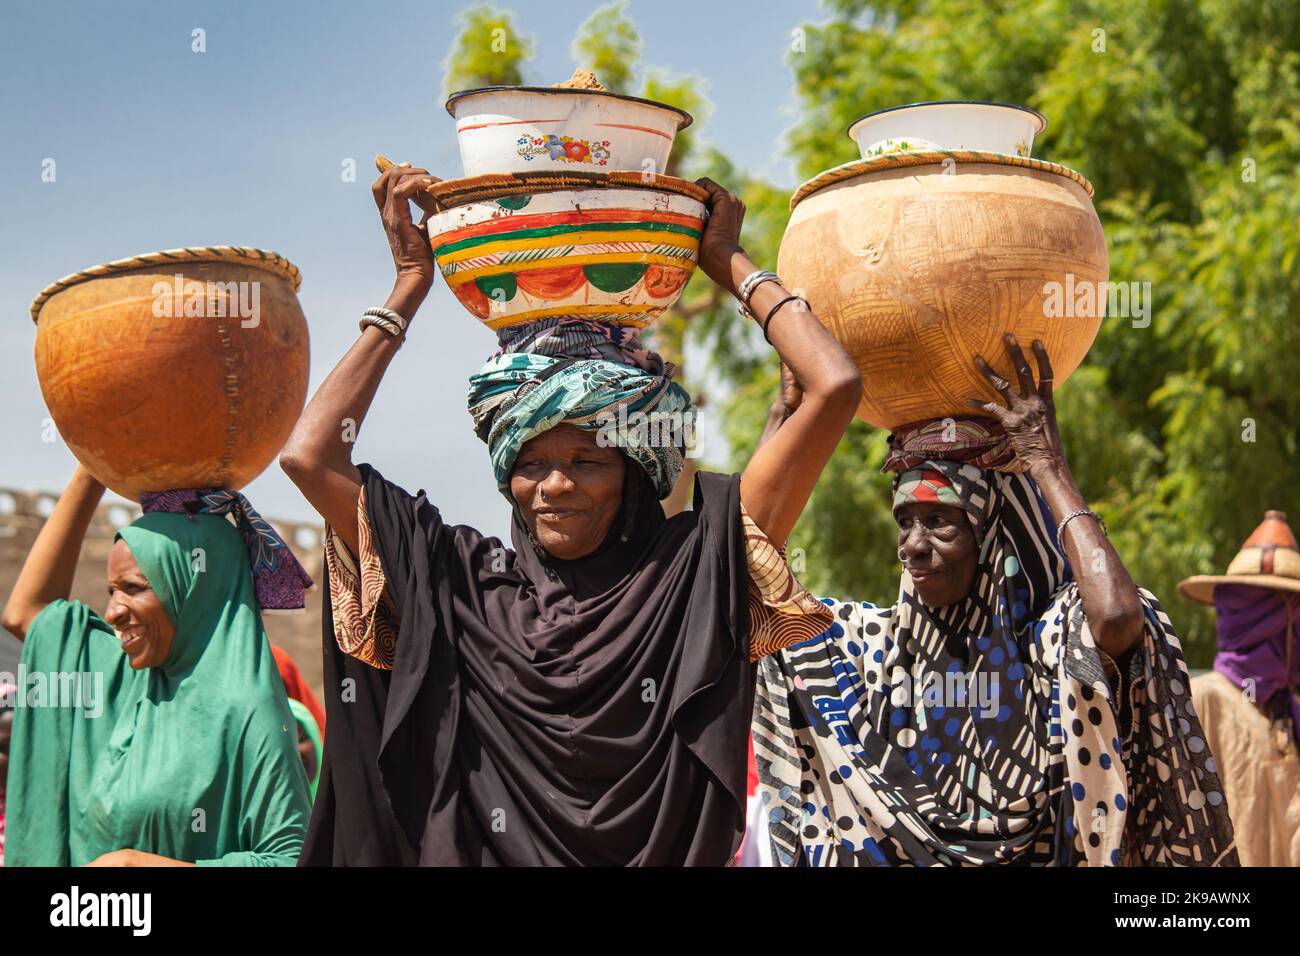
{"points": [[938, 549], [136, 612], [568, 489]]}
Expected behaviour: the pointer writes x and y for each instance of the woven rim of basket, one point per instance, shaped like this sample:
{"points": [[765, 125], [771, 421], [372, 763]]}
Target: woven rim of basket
{"points": [[457, 192], [244, 255], [930, 157]]}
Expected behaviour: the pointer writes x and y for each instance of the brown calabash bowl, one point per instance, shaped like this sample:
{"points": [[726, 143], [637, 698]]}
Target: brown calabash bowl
{"points": [[151, 402], [916, 268]]}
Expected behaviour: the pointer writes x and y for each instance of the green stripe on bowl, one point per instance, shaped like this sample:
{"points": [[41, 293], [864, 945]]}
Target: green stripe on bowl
{"points": [[561, 230]]}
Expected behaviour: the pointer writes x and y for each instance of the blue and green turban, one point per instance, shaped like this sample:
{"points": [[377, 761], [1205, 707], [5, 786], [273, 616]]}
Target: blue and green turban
{"points": [[519, 395]]}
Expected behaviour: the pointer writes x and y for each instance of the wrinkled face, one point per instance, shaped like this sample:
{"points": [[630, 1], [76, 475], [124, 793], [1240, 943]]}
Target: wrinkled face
{"points": [[568, 489], [939, 551], [135, 611]]}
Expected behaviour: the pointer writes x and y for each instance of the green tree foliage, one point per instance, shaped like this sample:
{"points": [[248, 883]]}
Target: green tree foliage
{"points": [[1185, 114], [488, 51], [609, 45]]}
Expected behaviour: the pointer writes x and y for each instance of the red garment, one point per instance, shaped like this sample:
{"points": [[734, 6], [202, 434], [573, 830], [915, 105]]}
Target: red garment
{"points": [[297, 688], [751, 784]]}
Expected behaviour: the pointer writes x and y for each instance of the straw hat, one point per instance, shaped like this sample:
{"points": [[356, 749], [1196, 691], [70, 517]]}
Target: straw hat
{"points": [[1270, 558]]}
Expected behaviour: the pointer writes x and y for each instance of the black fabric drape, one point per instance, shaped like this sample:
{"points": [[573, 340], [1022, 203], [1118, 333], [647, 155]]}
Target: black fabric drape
{"points": [[545, 712]]}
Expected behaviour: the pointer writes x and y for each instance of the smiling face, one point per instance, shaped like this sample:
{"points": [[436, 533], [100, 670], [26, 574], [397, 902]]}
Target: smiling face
{"points": [[569, 490], [136, 612], [938, 549]]}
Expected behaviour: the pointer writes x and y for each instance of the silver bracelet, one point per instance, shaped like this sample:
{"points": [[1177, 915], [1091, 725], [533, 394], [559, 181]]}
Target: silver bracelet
{"points": [[1060, 528], [753, 281], [391, 328], [389, 314]]}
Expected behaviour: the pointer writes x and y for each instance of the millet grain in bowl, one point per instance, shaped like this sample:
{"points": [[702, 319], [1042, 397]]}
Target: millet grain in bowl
{"points": [[581, 80]]}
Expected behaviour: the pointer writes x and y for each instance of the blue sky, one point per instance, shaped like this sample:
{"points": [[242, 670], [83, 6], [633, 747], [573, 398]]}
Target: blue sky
{"points": [[157, 147]]}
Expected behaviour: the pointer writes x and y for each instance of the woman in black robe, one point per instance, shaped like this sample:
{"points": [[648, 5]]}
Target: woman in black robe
{"points": [[583, 697]]}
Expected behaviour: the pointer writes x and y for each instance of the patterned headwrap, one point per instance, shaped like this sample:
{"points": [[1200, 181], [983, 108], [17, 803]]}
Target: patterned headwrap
{"points": [[279, 580], [1035, 749], [566, 337], [975, 440], [946, 483], [519, 395]]}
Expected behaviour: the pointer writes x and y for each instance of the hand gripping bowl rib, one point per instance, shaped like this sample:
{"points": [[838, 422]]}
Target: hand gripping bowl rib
{"points": [[917, 261], [177, 369]]}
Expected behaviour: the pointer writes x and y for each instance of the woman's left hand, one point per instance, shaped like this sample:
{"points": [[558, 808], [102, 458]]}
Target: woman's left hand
{"points": [[721, 238], [1029, 417]]}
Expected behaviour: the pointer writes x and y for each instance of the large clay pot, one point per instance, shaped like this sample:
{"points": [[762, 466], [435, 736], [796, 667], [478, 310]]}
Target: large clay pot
{"points": [[918, 261], [157, 385], [614, 255]]}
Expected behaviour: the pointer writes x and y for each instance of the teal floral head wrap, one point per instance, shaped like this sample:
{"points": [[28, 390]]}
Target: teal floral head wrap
{"points": [[517, 396]]}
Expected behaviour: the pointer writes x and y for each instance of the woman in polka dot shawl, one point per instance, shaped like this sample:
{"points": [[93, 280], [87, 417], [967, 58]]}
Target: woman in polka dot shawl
{"points": [[1017, 704]]}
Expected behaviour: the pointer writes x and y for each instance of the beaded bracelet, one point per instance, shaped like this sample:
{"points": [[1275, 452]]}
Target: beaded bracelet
{"points": [[1060, 528]]}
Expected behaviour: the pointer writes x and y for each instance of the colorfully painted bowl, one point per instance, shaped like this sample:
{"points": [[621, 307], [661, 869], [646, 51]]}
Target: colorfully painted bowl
{"points": [[620, 256], [957, 124], [505, 129]]}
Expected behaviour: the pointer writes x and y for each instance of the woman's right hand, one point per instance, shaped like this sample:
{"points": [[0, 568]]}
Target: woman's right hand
{"points": [[721, 239], [394, 191]]}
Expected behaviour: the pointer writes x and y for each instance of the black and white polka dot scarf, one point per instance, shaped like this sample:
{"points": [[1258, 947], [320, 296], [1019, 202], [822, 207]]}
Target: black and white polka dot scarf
{"points": [[992, 731]]}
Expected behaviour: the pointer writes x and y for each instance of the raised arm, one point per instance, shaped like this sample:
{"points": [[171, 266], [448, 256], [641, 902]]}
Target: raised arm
{"points": [[780, 477], [318, 455], [1110, 598], [47, 573]]}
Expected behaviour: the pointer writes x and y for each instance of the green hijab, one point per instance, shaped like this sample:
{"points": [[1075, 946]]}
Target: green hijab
{"points": [[196, 759]]}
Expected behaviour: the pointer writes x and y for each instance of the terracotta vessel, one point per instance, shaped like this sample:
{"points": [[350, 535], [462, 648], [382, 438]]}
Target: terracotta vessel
{"points": [[918, 261], [615, 255], [158, 382]]}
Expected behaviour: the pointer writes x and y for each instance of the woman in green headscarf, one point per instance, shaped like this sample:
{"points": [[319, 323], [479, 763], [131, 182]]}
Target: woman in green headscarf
{"points": [[178, 746]]}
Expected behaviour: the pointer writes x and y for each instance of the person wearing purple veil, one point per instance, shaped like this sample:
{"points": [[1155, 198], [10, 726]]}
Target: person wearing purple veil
{"points": [[1249, 704]]}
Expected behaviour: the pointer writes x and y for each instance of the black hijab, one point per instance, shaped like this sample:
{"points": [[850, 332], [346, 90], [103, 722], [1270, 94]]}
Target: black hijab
{"points": [[541, 711]]}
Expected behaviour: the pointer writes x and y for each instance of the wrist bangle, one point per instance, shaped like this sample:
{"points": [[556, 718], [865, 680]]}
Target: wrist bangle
{"points": [[768, 321], [384, 325], [752, 282], [1060, 528], [389, 314]]}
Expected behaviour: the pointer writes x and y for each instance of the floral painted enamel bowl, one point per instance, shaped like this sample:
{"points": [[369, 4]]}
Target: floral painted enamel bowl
{"points": [[503, 129], [619, 255], [959, 124]]}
